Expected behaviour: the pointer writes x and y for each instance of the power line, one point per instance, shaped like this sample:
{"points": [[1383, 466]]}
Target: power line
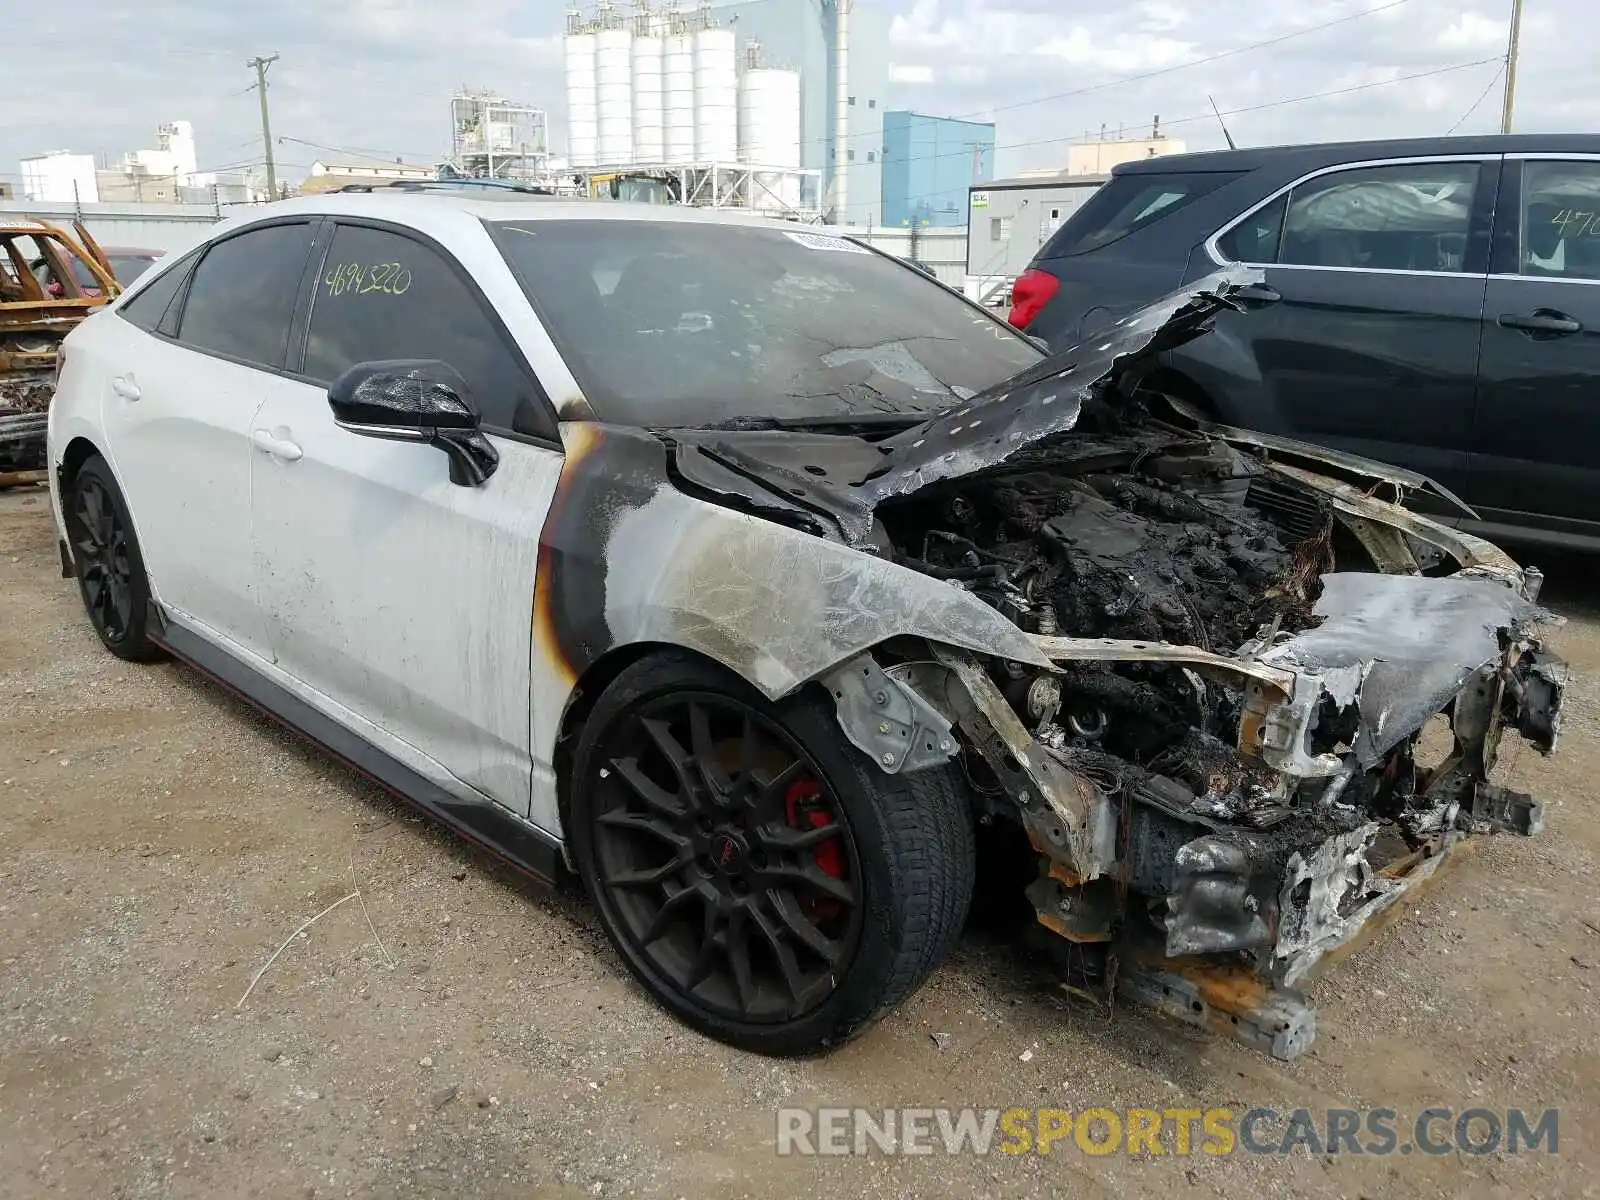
{"points": [[1229, 112], [358, 152], [1482, 96]]}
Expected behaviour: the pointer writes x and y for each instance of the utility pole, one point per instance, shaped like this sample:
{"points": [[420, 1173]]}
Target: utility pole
{"points": [[1511, 65], [261, 64]]}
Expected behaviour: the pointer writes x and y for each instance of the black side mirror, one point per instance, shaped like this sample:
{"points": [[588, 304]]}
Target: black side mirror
{"points": [[416, 400]]}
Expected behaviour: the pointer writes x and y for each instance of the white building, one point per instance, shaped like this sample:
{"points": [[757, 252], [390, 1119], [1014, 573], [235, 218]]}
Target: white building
{"points": [[174, 155], [60, 177], [329, 175], [1098, 157]]}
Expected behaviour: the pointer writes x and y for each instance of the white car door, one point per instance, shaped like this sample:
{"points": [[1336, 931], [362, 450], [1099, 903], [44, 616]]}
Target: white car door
{"points": [[398, 602], [184, 374]]}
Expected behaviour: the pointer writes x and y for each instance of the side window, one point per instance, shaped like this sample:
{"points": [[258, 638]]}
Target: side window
{"points": [[1255, 239], [1407, 217], [147, 308], [242, 295], [1560, 234], [382, 295]]}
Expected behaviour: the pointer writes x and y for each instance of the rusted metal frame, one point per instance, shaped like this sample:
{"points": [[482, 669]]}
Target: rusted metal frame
{"points": [[1385, 543], [1227, 996], [32, 289], [1224, 997], [1066, 817], [1466, 549], [1236, 672], [54, 252], [97, 262], [1415, 874]]}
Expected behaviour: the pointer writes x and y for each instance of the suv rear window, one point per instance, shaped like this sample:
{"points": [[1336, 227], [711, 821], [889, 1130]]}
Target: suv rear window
{"points": [[1129, 203]]}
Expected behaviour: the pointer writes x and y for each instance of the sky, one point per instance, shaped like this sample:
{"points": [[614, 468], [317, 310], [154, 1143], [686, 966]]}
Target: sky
{"points": [[374, 76]]}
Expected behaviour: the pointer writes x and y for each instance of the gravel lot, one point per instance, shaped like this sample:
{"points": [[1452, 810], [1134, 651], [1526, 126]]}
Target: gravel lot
{"points": [[476, 1037]]}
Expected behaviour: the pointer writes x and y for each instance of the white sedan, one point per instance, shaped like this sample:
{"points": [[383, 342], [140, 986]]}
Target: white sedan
{"points": [[746, 570]]}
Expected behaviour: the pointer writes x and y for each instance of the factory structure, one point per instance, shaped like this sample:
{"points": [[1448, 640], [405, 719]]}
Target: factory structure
{"points": [[773, 105], [492, 137]]}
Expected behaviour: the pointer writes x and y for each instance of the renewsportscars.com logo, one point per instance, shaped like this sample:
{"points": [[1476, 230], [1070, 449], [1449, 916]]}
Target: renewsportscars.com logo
{"points": [[1176, 1131]]}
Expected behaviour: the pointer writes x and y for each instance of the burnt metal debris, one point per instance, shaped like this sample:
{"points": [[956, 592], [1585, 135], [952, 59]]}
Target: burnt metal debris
{"points": [[1194, 666], [49, 281]]}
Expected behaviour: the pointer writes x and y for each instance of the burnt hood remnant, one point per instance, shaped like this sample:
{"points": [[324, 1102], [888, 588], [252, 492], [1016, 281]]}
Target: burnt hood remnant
{"points": [[1048, 399], [1399, 647]]}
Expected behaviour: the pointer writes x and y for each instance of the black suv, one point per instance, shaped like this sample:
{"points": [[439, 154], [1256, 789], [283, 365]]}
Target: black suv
{"points": [[1438, 305]]}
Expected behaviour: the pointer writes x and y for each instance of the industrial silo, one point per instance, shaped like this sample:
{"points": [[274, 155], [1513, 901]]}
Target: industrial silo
{"points": [[769, 134], [678, 97], [614, 85], [716, 96], [649, 124], [583, 104]]}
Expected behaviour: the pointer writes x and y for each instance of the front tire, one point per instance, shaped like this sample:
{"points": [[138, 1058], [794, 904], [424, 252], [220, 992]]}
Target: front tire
{"points": [[109, 566], [763, 880]]}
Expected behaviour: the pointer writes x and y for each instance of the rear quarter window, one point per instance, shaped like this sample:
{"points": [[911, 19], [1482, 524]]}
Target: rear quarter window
{"points": [[1128, 204]]}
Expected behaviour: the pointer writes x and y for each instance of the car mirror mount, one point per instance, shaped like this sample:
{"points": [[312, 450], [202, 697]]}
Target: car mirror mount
{"points": [[416, 400]]}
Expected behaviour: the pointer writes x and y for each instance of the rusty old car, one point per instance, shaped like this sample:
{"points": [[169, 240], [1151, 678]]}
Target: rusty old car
{"points": [[49, 281]]}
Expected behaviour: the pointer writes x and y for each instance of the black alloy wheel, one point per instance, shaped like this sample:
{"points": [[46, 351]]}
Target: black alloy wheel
{"points": [[727, 862], [760, 876], [109, 566]]}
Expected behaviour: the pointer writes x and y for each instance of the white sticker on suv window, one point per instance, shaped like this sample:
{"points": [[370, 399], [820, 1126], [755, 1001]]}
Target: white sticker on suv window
{"points": [[821, 241]]}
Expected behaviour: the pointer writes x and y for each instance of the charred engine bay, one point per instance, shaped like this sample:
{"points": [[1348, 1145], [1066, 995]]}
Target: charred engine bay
{"points": [[1137, 531]]}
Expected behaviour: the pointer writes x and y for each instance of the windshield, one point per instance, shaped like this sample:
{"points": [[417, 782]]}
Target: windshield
{"points": [[672, 323]]}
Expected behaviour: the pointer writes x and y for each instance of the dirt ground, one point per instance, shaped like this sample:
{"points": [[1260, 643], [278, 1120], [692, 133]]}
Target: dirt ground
{"points": [[158, 841]]}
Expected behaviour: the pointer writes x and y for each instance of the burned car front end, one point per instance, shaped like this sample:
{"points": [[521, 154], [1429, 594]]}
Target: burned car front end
{"points": [[1230, 695], [1261, 701]]}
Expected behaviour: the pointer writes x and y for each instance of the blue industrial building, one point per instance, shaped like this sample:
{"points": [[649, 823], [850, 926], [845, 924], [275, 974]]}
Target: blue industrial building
{"points": [[929, 164]]}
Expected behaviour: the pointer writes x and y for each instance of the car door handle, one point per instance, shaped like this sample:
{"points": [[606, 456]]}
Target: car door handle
{"points": [[1547, 321], [124, 386], [278, 447]]}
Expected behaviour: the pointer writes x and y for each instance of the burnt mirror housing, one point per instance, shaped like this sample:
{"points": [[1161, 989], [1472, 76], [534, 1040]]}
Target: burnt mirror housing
{"points": [[416, 400]]}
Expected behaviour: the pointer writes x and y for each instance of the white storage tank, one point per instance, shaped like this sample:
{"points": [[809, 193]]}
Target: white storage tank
{"points": [[649, 121], [769, 118], [614, 85], [583, 104], [678, 98], [716, 96]]}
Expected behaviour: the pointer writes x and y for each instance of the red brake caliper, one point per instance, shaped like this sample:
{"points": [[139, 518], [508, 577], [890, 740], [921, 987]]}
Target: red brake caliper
{"points": [[803, 805]]}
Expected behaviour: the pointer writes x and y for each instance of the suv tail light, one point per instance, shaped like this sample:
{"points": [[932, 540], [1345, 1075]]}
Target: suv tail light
{"points": [[1031, 292]]}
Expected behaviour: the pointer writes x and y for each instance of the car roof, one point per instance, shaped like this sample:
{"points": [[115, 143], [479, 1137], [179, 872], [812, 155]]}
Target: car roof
{"points": [[1329, 153], [438, 211]]}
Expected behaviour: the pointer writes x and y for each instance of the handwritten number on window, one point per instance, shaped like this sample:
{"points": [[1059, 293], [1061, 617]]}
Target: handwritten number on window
{"points": [[354, 279]]}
